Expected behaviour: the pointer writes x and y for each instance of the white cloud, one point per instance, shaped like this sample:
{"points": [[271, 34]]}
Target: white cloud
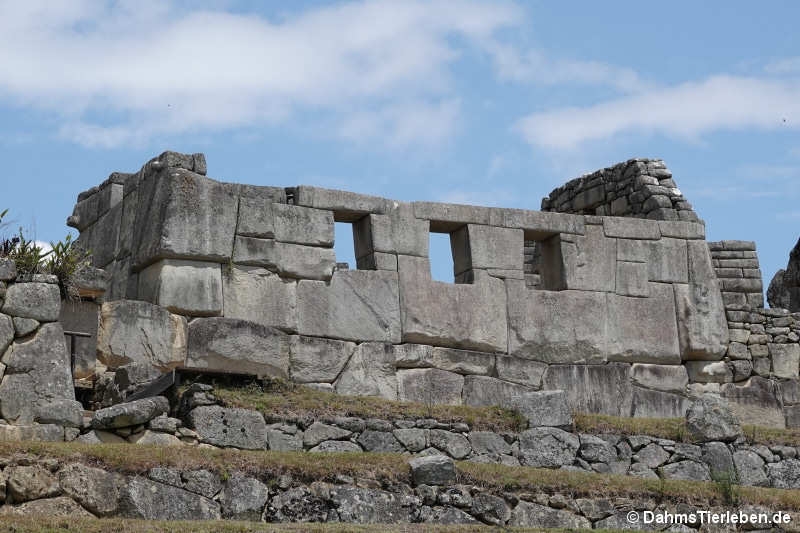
{"points": [[149, 67], [685, 111]]}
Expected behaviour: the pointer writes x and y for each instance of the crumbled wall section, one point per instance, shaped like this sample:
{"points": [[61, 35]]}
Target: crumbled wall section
{"points": [[641, 188], [738, 271]]}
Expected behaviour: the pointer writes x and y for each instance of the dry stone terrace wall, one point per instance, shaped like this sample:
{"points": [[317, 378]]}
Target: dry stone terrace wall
{"points": [[622, 313]]}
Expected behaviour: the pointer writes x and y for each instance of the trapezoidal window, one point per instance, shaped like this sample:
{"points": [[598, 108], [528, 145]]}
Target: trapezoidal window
{"points": [[440, 253]]}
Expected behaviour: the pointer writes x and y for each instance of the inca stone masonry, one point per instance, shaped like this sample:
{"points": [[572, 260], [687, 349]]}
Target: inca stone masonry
{"points": [[610, 293]]}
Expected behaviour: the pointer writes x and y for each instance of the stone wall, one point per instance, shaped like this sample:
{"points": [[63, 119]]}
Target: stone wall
{"points": [[784, 289], [737, 268], [641, 188], [35, 375]]}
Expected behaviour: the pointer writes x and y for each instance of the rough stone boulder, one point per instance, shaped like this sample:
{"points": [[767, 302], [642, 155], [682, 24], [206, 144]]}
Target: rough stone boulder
{"points": [[150, 500], [130, 413], [547, 447], [784, 289], [32, 482], [39, 301], [239, 428], [709, 418], [544, 408], [94, 488], [433, 470]]}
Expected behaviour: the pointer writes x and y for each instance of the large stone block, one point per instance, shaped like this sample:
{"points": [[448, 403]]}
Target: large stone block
{"points": [[37, 372], [288, 260], [785, 359], [134, 331], [358, 305], [469, 317], [590, 261], [667, 261], [484, 390], [150, 500], [39, 301], [632, 279], [666, 378], [445, 218], [303, 225], [260, 296], [539, 225], [346, 206], [755, 402], [430, 386], [220, 426], [191, 288], [184, 215], [316, 360], [544, 408], [104, 236], [603, 389], [702, 326], [256, 218], [397, 232], [631, 228], [475, 246], [520, 371], [233, 345], [648, 403], [458, 361], [370, 372]]}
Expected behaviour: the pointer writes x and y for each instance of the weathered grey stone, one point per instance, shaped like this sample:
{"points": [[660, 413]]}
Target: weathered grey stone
{"points": [[397, 232], [785, 474], [61, 506], [94, 488], [651, 456], [535, 515], [133, 331], [486, 391], [319, 432], [785, 360], [432, 470], [710, 418], [22, 327], [709, 371], [164, 424], [478, 246], [346, 206], [336, 446], [96, 437], [453, 444], [631, 279], [488, 443], [749, 468], [380, 442], [288, 260], [150, 500], [667, 378], [445, 514], [718, 458], [260, 296], [755, 402], [7, 331], [668, 261], [371, 506], [155, 438], [656, 404], [547, 447], [358, 305], [520, 371], [370, 372], [282, 442], [37, 372], [603, 389], [39, 301], [25, 483], [413, 439], [60, 411], [458, 361], [451, 315], [238, 428], [243, 498], [596, 450], [202, 482], [688, 470], [191, 288], [312, 359], [641, 470], [491, 509], [429, 386], [741, 370], [544, 408], [302, 225], [237, 345], [702, 326], [8, 269], [296, 505], [130, 413], [589, 263], [181, 214], [256, 218]]}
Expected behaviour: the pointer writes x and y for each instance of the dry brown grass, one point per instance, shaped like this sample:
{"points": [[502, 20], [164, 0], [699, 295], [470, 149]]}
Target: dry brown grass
{"points": [[390, 468], [281, 401]]}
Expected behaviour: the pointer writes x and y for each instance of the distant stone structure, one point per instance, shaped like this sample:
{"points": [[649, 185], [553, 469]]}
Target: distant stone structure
{"points": [[784, 289]]}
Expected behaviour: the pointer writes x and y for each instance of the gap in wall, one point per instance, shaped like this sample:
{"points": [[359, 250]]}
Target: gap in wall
{"points": [[343, 245], [441, 257]]}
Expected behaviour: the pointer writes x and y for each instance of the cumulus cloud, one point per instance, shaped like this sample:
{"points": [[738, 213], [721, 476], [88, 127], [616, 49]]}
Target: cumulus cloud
{"points": [[123, 71], [684, 111]]}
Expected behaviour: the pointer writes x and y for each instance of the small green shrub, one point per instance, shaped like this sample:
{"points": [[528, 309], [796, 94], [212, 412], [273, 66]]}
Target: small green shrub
{"points": [[726, 483]]}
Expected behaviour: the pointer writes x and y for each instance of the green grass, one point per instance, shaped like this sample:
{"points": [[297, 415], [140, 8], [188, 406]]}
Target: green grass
{"points": [[393, 468], [282, 401]]}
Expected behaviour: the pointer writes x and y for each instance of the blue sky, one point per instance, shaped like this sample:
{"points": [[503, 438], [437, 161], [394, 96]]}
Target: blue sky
{"points": [[490, 103]]}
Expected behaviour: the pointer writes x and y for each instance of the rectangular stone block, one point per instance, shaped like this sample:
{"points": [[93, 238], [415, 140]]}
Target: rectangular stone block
{"points": [[487, 391], [755, 300], [590, 262], [738, 245], [429, 386], [785, 359], [632, 279], [256, 218], [734, 298], [288, 260], [182, 215], [109, 196], [315, 360], [602, 389], [666, 378], [377, 261], [648, 403], [682, 230], [458, 361], [470, 317], [539, 225], [668, 261], [520, 371], [258, 295], [475, 246], [742, 285], [755, 402], [397, 232], [737, 263], [445, 218], [346, 206], [359, 305], [104, 237], [190, 288], [632, 250], [370, 372], [631, 228], [303, 225]]}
